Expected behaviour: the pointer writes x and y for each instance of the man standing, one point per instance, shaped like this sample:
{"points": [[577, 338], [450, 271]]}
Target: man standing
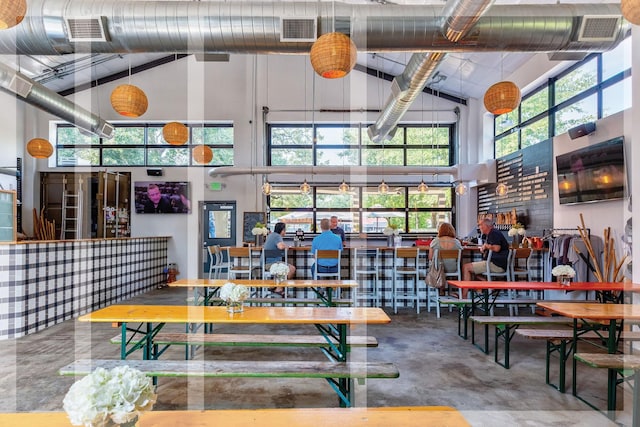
{"points": [[326, 241], [335, 229], [493, 241], [157, 203]]}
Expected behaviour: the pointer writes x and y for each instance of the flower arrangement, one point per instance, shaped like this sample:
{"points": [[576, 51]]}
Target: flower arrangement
{"points": [[279, 269], [107, 397], [391, 230], [517, 229], [259, 229], [232, 293], [563, 270]]}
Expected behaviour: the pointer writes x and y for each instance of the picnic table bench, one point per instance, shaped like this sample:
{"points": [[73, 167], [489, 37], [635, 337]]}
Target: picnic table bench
{"points": [[167, 339], [619, 363]]}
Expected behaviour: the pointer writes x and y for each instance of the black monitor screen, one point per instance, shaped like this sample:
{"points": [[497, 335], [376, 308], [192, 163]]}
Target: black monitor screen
{"points": [[592, 174]]}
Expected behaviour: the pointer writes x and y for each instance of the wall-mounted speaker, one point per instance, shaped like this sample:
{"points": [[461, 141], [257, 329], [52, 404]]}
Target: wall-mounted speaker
{"points": [[154, 172], [582, 130]]}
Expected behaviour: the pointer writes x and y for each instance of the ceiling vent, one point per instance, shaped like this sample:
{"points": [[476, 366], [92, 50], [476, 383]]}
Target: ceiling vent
{"points": [[298, 30], [107, 130], [601, 28], [20, 86], [87, 29]]}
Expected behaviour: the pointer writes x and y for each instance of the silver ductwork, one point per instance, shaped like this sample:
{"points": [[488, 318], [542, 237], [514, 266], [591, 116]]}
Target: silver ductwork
{"points": [[39, 96], [460, 17], [255, 27]]}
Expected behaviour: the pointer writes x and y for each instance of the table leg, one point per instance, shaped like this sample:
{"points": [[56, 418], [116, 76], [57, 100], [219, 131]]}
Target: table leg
{"points": [[612, 346]]}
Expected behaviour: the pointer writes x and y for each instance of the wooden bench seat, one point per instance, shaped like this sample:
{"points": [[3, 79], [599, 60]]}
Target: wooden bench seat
{"points": [[338, 374], [561, 341], [504, 329], [278, 300], [239, 368], [619, 363], [246, 340]]}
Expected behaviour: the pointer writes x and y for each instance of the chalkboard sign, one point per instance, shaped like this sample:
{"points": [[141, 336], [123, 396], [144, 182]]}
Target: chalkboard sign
{"points": [[249, 222], [7, 216]]}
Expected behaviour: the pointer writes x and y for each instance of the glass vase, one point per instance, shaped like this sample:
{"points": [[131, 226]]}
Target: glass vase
{"points": [[131, 423], [235, 307], [279, 279], [564, 280]]}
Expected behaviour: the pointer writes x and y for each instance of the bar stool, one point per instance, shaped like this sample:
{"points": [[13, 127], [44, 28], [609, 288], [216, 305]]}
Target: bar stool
{"points": [[240, 262], [506, 275], [447, 257], [366, 263], [405, 265], [216, 262], [519, 267], [319, 275], [271, 254]]}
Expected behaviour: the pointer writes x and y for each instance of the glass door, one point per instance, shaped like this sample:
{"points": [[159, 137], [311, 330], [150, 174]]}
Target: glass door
{"points": [[218, 225]]}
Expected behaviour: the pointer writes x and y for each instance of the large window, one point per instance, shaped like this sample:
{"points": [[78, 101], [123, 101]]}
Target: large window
{"points": [[594, 88], [141, 145], [363, 209]]}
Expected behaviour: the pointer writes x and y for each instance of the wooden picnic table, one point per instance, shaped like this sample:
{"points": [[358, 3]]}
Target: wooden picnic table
{"points": [[589, 316], [331, 322], [417, 416]]}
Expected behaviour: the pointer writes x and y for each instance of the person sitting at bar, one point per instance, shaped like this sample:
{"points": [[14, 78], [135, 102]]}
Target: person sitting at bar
{"points": [[335, 229], [446, 240], [493, 240], [326, 241], [275, 248]]}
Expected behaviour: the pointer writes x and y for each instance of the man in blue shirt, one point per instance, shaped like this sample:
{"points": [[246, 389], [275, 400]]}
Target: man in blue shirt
{"points": [[326, 241]]}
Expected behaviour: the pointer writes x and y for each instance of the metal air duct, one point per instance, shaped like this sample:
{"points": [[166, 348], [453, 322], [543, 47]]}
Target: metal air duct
{"points": [[255, 27], [39, 96], [460, 16]]}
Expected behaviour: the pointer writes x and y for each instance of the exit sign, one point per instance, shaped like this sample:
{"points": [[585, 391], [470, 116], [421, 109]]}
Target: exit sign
{"points": [[215, 186]]}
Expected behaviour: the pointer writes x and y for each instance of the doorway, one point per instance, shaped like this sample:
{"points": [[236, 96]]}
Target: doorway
{"points": [[217, 227]]}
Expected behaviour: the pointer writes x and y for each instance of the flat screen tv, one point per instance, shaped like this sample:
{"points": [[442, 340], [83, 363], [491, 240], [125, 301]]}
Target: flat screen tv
{"points": [[592, 174], [162, 197]]}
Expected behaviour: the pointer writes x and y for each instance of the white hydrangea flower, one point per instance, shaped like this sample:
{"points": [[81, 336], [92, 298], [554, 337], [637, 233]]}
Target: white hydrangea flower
{"points": [[563, 270], [103, 397], [230, 292], [279, 269]]}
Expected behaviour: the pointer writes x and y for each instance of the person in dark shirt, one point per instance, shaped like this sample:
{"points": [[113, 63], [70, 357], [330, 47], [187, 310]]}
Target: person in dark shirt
{"points": [[336, 229], [157, 203], [493, 240]]}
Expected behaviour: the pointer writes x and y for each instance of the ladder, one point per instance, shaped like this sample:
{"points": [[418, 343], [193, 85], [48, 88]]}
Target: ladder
{"points": [[71, 226]]}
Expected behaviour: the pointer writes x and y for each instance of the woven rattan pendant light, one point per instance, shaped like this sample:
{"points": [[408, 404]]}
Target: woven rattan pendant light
{"points": [[39, 148], [129, 100], [333, 55], [461, 189], [12, 13], [502, 97], [175, 133], [631, 11], [202, 154], [502, 189]]}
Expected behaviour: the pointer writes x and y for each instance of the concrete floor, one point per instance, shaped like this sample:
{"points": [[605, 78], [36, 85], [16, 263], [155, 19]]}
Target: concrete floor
{"points": [[436, 368]]}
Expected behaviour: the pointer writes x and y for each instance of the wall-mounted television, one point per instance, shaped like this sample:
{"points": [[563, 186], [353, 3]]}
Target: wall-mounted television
{"points": [[592, 174], [162, 197]]}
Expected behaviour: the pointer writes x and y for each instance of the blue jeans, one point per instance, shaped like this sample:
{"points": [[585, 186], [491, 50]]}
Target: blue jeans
{"points": [[324, 269]]}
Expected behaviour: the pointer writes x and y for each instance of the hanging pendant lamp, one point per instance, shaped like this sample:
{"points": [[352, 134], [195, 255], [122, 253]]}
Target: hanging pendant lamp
{"points": [[501, 189], [631, 11], [175, 133], [305, 188], [383, 188], [39, 148], [202, 154], [502, 97], [343, 188], [333, 55], [422, 187], [129, 101], [266, 188], [12, 13], [461, 189]]}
